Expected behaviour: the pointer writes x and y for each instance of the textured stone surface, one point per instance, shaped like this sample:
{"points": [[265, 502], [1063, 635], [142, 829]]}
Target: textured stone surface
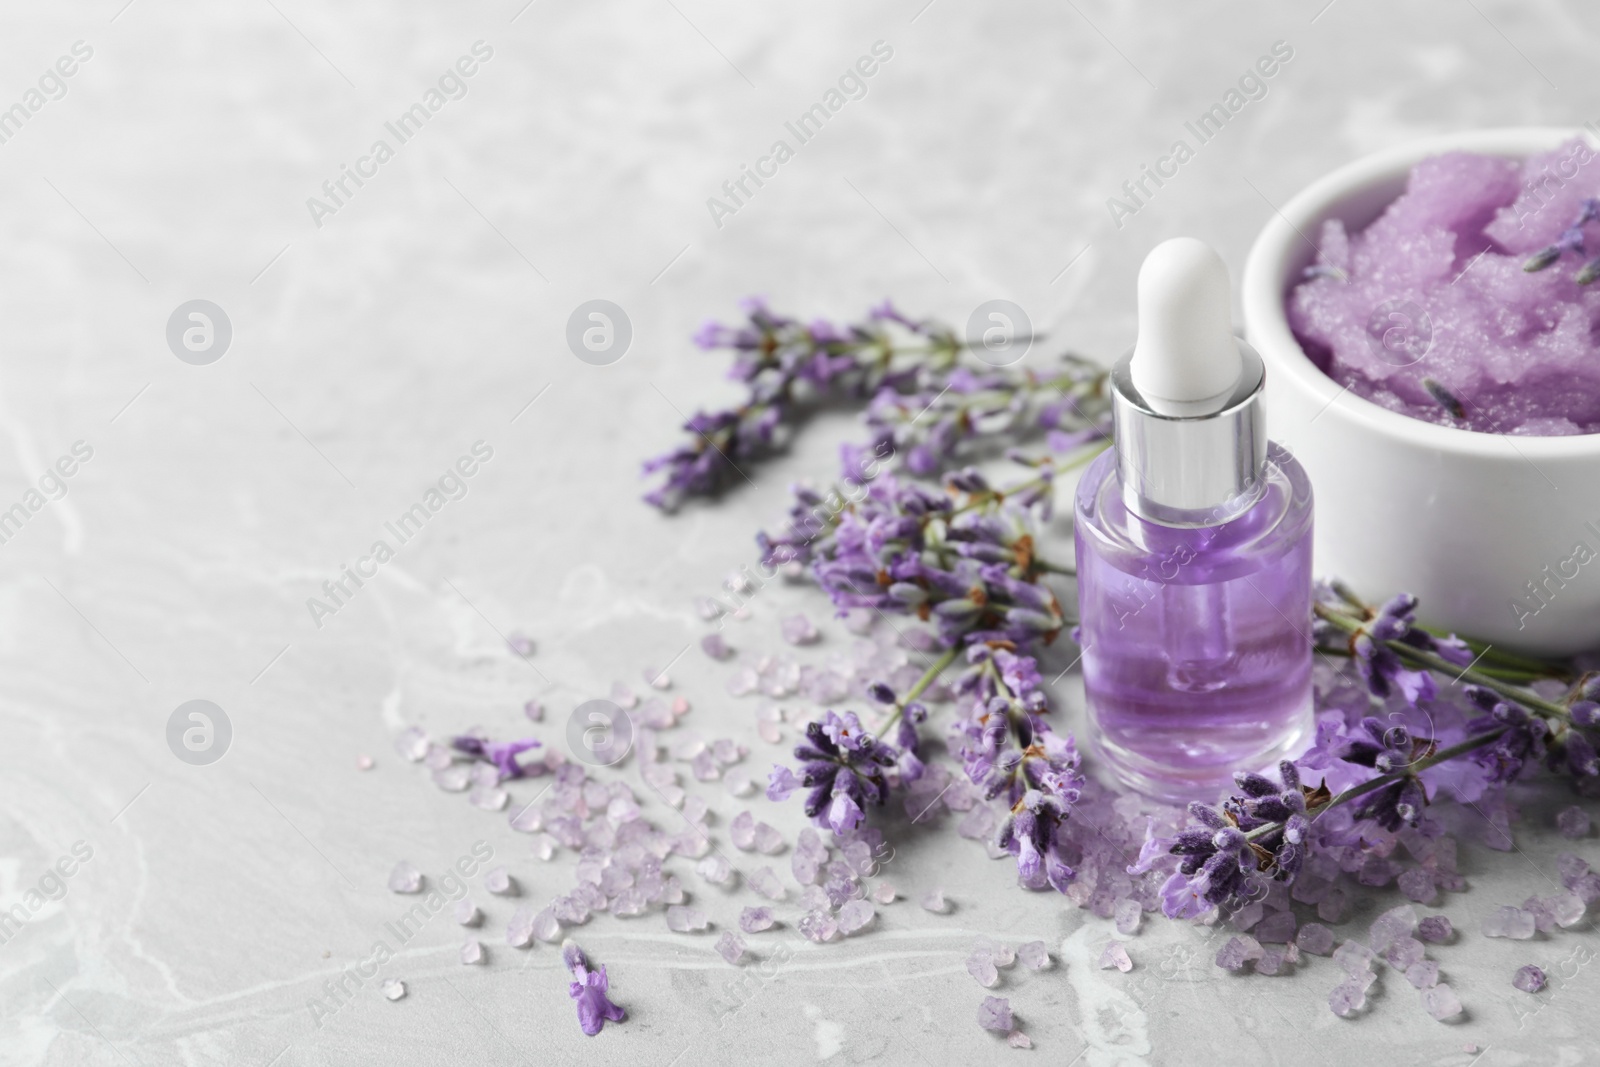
{"points": [[410, 326]]}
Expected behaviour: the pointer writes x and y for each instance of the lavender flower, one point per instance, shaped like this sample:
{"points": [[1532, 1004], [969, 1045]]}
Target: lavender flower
{"points": [[503, 754], [1571, 240], [590, 989], [843, 765], [1523, 740]]}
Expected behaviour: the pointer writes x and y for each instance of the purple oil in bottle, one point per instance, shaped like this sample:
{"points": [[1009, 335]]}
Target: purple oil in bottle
{"points": [[1196, 641]]}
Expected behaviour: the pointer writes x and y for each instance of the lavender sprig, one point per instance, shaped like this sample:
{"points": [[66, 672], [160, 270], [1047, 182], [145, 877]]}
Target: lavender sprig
{"points": [[922, 407]]}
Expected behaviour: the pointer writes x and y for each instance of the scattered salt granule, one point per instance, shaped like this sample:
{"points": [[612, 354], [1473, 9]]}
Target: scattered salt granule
{"points": [[544, 846], [883, 893], [519, 931], [1568, 909], [1348, 997], [534, 711], [1277, 928], [1247, 916], [472, 951], [467, 913], [1033, 955], [768, 839], [818, 926], [1273, 960], [765, 882], [933, 900], [682, 919], [994, 1013], [498, 882], [755, 920], [1509, 921], [364, 762], [1237, 951], [1418, 885], [1353, 958], [546, 927], [1128, 914], [1315, 938], [1573, 822], [716, 869], [1440, 1001], [393, 988], [1391, 926], [742, 831], [798, 630], [405, 878], [1423, 974], [730, 946], [855, 915], [981, 966], [656, 679], [1529, 979], [1435, 928], [412, 744], [1114, 955], [1018, 1039], [520, 644]]}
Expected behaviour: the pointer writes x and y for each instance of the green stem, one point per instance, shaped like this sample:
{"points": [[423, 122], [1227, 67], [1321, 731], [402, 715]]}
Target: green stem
{"points": [[934, 670], [1432, 660]]}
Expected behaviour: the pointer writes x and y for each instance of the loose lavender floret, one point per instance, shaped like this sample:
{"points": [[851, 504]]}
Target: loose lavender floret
{"points": [[502, 754], [590, 989]]}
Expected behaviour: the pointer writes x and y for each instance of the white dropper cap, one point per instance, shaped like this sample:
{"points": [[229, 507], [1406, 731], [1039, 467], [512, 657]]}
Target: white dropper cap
{"points": [[1186, 401], [1186, 352]]}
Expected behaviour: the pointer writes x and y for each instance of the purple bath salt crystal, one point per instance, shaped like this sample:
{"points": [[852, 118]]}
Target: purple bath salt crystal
{"points": [[405, 878], [520, 644], [393, 988], [546, 927], [818, 926], [1404, 953], [412, 744], [1423, 974], [730, 946], [1354, 958], [1128, 915], [1572, 822], [933, 900], [1114, 955], [742, 831], [768, 839], [498, 882], [797, 630], [1277, 928], [1529, 979], [1236, 952], [995, 1014], [1571, 868], [1441, 1002], [1034, 955], [765, 882], [981, 966], [1347, 997], [1508, 921], [714, 646], [715, 869], [1315, 938], [472, 952], [519, 931], [534, 711], [883, 893], [813, 898], [1544, 916], [803, 865], [683, 919], [855, 915], [1418, 885], [1567, 908], [1391, 926], [1273, 960], [755, 920], [467, 913], [1435, 928], [1018, 1039]]}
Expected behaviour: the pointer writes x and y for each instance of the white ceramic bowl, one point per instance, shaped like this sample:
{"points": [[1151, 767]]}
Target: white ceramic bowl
{"points": [[1472, 523]]}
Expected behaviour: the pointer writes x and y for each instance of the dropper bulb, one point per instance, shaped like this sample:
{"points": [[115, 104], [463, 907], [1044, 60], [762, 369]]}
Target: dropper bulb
{"points": [[1186, 350]]}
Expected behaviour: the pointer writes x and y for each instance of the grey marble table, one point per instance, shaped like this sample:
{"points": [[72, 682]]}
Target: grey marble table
{"points": [[379, 329]]}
